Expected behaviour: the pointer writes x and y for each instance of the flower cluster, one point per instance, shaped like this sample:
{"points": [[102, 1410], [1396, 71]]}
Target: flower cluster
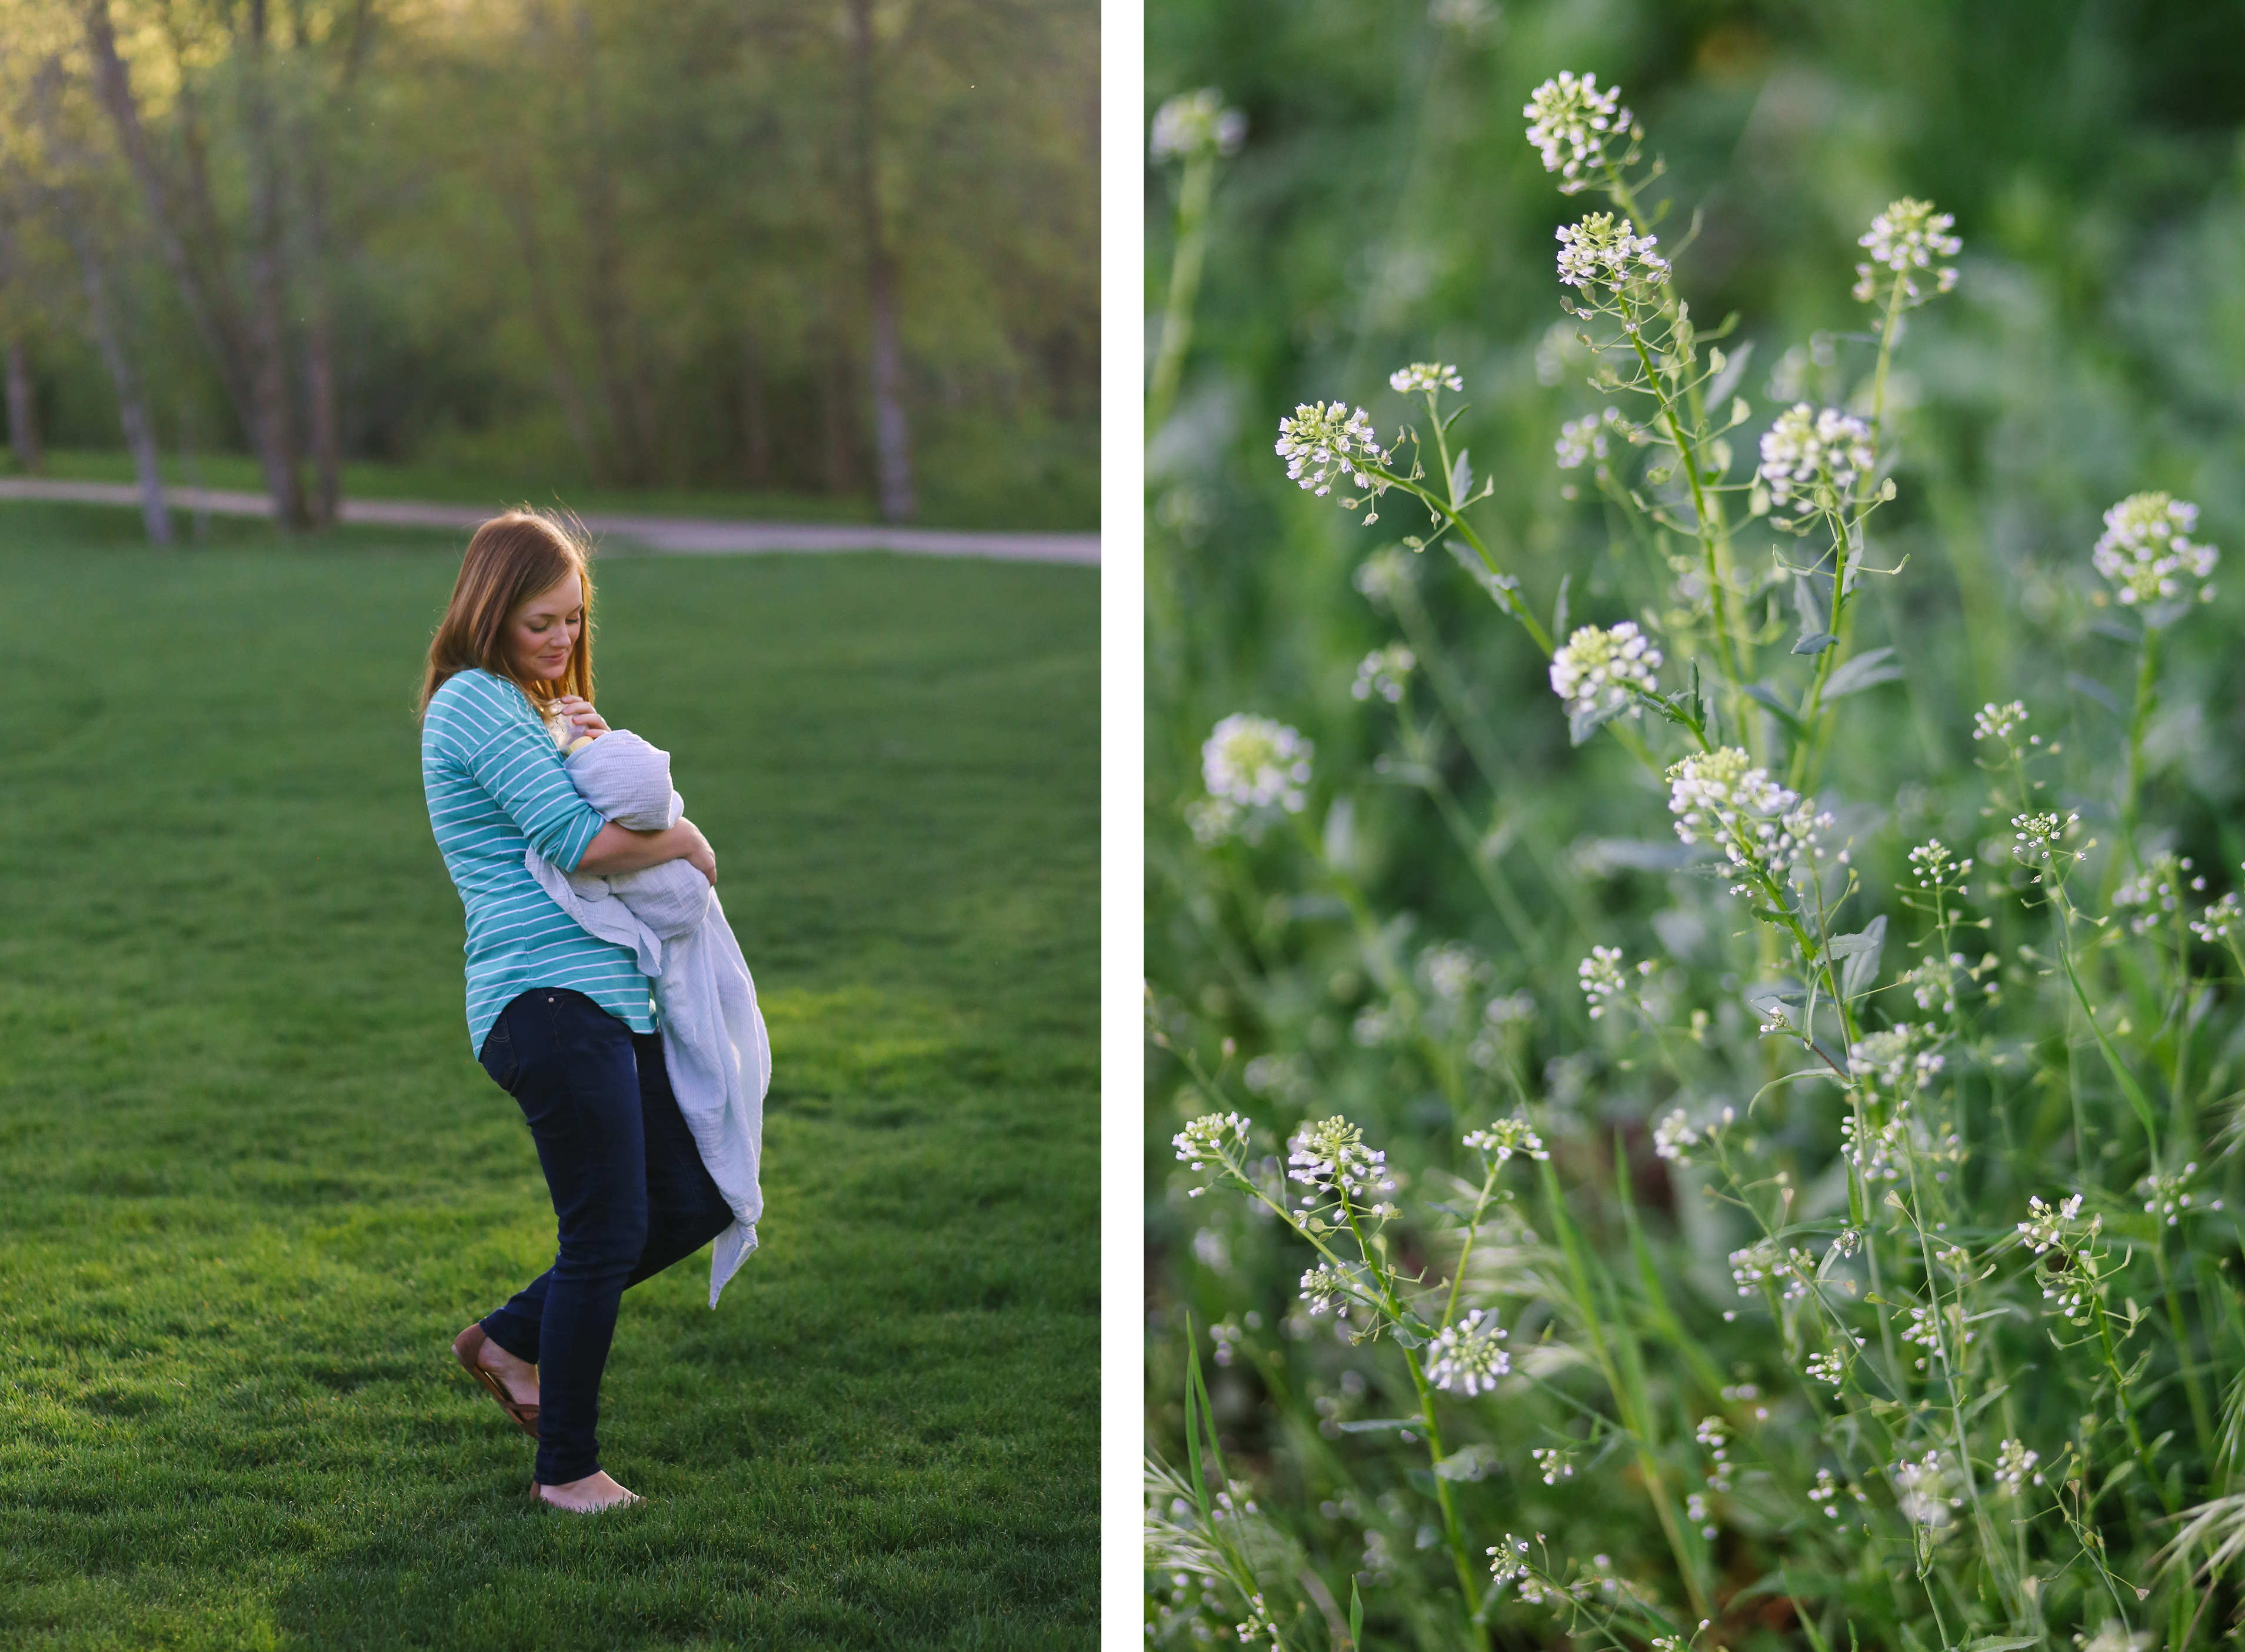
{"points": [[1880, 1155], [1506, 1137], [1254, 764], [2147, 550], [1570, 120], [2039, 833], [2155, 891], [2220, 919], [1722, 797], [1936, 868], [1993, 722], [1425, 378], [1600, 667], [1601, 252], [1464, 1359], [1761, 1263], [1326, 1286], [1585, 439], [1892, 1057], [1207, 1137], [1384, 672], [1924, 1490], [1811, 458], [1828, 1368], [2059, 1225], [2167, 1198], [1826, 1494], [1194, 124], [2014, 1464], [1555, 1463], [1906, 238], [1601, 977], [1329, 442], [1673, 1136], [1937, 1331], [1331, 1159]]}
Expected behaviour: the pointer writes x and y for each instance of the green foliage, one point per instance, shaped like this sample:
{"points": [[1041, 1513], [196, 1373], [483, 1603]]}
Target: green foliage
{"points": [[1400, 933], [254, 1181]]}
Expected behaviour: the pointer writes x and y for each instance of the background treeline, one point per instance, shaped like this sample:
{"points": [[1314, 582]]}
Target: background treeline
{"points": [[757, 246]]}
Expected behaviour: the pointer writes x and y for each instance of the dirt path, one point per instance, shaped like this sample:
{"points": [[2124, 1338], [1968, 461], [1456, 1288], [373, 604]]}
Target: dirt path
{"points": [[692, 535]]}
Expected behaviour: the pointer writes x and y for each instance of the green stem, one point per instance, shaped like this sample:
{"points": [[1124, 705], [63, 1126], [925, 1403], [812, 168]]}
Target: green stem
{"points": [[1184, 285]]}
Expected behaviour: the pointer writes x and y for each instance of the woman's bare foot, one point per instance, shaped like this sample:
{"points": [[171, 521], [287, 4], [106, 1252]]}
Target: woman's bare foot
{"points": [[518, 1376], [587, 1496]]}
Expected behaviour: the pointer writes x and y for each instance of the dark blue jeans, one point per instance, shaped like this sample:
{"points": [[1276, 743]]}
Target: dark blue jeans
{"points": [[630, 1192]]}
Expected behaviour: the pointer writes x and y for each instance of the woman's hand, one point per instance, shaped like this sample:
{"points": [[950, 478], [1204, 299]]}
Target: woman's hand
{"points": [[617, 848], [578, 713]]}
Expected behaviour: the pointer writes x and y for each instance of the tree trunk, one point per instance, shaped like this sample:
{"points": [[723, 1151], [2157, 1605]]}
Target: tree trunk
{"points": [[891, 431], [756, 417], [204, 293], [22, 411], [837, 397], [131, 404], [268, 346]]}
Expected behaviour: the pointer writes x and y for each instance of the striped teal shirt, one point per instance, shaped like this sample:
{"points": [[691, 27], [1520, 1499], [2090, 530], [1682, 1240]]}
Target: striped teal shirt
{"points": [[496, 784]]}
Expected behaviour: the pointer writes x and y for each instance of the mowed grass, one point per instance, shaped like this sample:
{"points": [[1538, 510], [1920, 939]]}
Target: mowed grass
{"points": [[252, 1180]]}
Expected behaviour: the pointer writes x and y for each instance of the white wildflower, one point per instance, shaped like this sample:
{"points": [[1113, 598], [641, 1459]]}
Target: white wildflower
{"points": [[1554, 1462], [1424, 378], [1993, 722], [2059, 1225], [1328, 441], [1673, 1136], [1465, 1359], [1207, 1137], [1585, 439], [1601, 666], [1324, 1287], [1331, 1159], [1570, 120], [1508, 1560], [1810, 459], [1194, 124], [1254, 764], [1386, 672], [2039, 833], [1601, 252], [2220, 919], [2168, 1196], [1506, 1137], [1892, 1057], [2015, 1464], [1827, 1368], [1906, 238], [1935, 866], [1925, 1490], [2147, 550], [1722, 797], [1601, 977]]}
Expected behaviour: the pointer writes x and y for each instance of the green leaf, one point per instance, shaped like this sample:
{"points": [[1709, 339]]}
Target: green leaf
{"points": [[1559, 614], [1730, 368], [1814, 645], [1767, 697], [1355, 1617], [1461, 479], [1581, 725], [1865, 669], [2002, 1642], [1861, 952], [1375, 1424]]}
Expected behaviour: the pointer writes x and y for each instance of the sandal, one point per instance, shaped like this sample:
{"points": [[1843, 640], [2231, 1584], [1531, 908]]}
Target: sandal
{"points": [[465, 1347]]}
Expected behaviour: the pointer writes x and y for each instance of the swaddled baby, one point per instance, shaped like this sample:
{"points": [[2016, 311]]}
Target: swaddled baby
{"points": [[713, 1044]]}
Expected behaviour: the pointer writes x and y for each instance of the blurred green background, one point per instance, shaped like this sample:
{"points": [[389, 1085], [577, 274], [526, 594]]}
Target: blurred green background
{"points": [[1384, 208], [756, 259]]}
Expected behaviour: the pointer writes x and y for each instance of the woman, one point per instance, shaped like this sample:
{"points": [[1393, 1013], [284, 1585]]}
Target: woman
{"points": [[562, 1021]]}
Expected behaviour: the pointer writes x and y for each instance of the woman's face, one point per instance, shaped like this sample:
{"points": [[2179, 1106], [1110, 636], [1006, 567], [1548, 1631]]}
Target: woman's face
{"points": [[540, 632]]}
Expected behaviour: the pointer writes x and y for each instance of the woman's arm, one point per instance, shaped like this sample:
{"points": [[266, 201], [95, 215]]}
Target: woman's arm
{"points": [[619, 849]]}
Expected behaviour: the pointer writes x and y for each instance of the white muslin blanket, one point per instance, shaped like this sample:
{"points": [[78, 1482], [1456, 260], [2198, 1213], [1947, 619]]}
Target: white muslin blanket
{"points": [[714, 1045]]}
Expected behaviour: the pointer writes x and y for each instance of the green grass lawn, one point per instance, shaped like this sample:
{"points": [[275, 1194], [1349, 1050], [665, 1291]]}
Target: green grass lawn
{"points": [[252, 1180]]}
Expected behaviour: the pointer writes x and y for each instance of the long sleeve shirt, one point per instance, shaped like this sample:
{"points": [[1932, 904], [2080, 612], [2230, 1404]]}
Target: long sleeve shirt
{"points": [[496, 785]]}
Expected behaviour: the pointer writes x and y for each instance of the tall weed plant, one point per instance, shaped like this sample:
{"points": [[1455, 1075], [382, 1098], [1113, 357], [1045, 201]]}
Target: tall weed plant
{"points": [[1836, 1254]]}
